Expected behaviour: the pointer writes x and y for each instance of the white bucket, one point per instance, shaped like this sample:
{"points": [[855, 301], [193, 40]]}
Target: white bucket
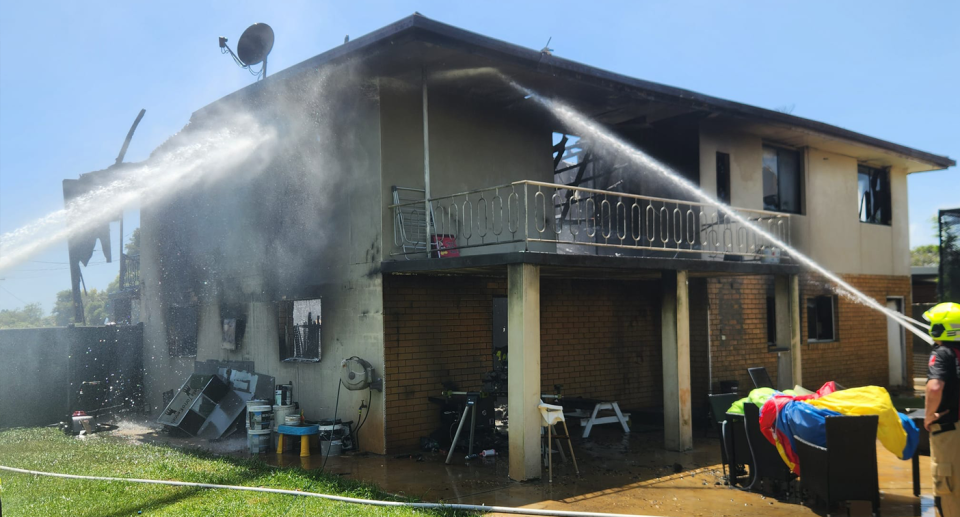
{"points": [[259, 441], [259, 418], [280, 414], [331, 448]]}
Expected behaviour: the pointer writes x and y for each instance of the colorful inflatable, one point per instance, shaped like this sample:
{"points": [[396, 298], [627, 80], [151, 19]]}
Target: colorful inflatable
{"points": [[783, 417]]}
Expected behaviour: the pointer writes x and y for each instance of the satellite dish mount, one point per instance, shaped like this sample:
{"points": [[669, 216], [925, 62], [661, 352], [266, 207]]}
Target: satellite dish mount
{"points": [[253, 48]]}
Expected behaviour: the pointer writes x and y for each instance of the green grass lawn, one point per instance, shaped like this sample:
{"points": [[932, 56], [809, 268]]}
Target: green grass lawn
{"points": [[103, 455]]}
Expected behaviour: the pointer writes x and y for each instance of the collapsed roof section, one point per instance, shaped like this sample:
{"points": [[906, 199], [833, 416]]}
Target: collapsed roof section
{"points": [[476, 65]]}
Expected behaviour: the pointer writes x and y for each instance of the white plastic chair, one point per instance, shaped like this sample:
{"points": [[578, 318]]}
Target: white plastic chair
{"points": [[550, 415]]}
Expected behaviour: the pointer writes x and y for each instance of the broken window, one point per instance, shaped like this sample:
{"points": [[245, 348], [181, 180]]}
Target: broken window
{"points": [[821, 320], [781, 179], [723, 178], [233, 318], [771, 321], [300, 330], [873, 194], [181, 325]]}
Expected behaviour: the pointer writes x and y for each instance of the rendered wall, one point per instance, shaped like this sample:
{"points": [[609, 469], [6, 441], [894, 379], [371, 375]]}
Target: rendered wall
{"points": [[307, 227], [472, 146], [829, 229]]}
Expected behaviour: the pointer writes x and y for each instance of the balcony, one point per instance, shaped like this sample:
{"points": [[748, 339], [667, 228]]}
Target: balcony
{"points": [[560, 219]]}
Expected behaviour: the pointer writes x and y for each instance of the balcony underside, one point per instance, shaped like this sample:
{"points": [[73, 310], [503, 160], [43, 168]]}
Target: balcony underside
{"points": [[582, 266]]}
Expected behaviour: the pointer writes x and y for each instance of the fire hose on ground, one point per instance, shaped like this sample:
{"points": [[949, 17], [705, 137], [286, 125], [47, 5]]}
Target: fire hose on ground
{"points": [[353, 500]]}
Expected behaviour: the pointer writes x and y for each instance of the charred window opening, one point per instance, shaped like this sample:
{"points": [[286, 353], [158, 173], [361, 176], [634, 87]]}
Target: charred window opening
{"points": [[821, 319], [723, 178], [182, 324], [873, 189], [234, 321], [771, 320], [300, 330], [782, 179]]}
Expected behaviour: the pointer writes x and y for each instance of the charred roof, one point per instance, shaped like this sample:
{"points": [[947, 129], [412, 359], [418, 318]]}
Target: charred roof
{"points": [[416, 43]]}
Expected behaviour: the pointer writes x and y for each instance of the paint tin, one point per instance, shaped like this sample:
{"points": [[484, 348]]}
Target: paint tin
{"points": [[280, 414], [293, 419], [259, 418], [331, 447], [259, 441]]}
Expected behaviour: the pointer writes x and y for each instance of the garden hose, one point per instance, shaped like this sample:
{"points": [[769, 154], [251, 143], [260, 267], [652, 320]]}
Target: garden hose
{"points": [[342, 499]]}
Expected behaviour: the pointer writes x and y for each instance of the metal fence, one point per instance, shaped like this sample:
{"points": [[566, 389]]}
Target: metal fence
{"points": [[583, 220]]}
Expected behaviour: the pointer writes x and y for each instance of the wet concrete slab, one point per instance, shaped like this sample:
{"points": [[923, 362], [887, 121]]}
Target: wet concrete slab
{"points": [[628, 474]]}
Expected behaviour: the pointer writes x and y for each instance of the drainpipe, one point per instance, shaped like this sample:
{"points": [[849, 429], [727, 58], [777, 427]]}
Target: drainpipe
{"points": [[426, 162], [709, 356]]}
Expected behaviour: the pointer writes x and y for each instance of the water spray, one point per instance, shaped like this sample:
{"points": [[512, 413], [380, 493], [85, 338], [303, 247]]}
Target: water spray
{"points": [[584, 127], [204, 156]]}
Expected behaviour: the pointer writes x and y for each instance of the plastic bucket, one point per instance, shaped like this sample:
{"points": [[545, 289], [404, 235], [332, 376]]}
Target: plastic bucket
{"points": [[254, 403], [259, 441], [259, 418], [331, 447], [280, 414]]}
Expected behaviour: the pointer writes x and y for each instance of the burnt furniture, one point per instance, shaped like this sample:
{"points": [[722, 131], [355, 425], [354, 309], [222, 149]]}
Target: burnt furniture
{"points": [[846, 469], [923, 449], [760, 377], [718, 411], [766, 460]]}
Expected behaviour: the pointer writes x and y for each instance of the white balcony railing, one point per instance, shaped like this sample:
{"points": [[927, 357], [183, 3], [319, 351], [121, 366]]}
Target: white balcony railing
{"points": [[532, 215]]}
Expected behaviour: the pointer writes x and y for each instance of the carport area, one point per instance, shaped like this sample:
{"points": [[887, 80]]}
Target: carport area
{"points": [[631, 475], [593, 328]]}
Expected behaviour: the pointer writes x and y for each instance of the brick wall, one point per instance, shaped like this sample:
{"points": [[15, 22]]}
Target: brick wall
{"points": [[858, 357], [436, 329], [599, 339], [738, 328]]}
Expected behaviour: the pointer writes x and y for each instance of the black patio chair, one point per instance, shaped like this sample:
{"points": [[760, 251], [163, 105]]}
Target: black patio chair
{"points": [[766, 460], [719, 404], [760, 377], [846, 469]]}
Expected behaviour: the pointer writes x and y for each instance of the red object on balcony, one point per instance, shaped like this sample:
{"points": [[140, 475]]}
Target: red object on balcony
{"points": [[446, 245]]}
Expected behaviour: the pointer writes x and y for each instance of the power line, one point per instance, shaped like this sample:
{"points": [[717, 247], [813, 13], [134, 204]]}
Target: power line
{"points": [[15, 296]]}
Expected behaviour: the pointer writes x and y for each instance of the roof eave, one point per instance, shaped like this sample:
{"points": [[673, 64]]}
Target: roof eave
{"points": [[427, 29]]}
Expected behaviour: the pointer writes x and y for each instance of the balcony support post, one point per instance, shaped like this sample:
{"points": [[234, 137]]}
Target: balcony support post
{"points": [[796, 363], [523, 376], [675, 336]]}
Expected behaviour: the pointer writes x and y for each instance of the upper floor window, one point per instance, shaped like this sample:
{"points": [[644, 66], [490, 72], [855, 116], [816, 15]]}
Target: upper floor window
{"points": [[873, 195], [723, 178], [781, 179]]}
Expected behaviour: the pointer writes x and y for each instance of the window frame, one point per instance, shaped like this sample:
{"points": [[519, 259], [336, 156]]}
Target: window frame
{"points": [[771, 321], [724, 183], [285, 329], [801, 176], [833, 319], [886, 208]]}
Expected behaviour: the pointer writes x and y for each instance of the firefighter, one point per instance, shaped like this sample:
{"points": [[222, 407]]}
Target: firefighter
{"points": [[942, 407]]}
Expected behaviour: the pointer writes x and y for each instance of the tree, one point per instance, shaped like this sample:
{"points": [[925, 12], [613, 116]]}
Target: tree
{"points": [[927, 255], [95, 302], [29, 316], [132, 247], [62, 312]]}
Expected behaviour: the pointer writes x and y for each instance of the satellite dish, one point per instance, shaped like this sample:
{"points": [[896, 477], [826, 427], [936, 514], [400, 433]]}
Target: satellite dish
{"points": [[255, 43]]}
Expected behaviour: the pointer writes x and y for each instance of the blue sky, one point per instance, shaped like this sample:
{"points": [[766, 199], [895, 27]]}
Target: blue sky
{"points": [[73, 75]]}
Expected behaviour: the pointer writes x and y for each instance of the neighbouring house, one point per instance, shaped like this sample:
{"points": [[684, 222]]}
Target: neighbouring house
{"points": [[422, 213]]}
